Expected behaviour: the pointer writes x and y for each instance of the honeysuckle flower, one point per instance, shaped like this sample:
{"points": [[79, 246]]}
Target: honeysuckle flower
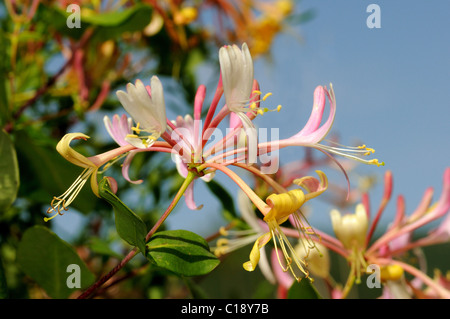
{"points": [[354, 234], [318, 259], [119, 129], [232, 240], [236, 67], [351, 229], [61, 202], [190, 135], [147, 108], [90, 165], [281, 207], [313, 133]]}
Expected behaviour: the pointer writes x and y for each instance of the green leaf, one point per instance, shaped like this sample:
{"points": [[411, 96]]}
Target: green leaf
{"points": [[130, 226], [9, 172], [182, 252], [303, 290], [107, 25], [224, 197], [44, 257]]}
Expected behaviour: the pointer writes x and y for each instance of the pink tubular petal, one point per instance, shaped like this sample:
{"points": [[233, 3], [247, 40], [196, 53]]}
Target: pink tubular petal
{"points": [[198, 102], [112, 184], [312, 133], [189, 198], [443, 205], [212, 107], [181, 166], [400, 214], [386, 197], [234, 121], [121, 127], [423, 205], [437, 211], [126, 166], [316, 113]]}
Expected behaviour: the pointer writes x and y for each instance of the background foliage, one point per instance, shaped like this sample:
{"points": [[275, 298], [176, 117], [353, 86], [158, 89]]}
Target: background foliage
{"points": [[54, 78]]}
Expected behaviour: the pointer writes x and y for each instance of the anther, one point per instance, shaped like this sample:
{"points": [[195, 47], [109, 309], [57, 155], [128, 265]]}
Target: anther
{"points": [[375, 161], [222, 242], [266, 96], [223, 231], [137, 129]]}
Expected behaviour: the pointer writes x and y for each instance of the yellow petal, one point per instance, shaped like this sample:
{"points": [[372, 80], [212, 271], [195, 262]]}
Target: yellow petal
{"points": [[69, 154], [284, 204], [255, 254]]}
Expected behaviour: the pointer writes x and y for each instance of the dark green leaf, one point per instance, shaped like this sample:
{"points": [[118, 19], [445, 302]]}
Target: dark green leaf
{"points": [[130, 226], [45, 257], [107, 24], [182, 252], [303, 290], [9, 172]]}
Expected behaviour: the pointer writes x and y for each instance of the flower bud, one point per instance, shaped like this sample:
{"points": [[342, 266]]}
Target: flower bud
{"points": [[351, 229], [317, 259]]}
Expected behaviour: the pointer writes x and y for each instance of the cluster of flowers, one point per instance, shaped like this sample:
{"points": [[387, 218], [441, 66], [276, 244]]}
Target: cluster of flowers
{"points": [[186, 140]]}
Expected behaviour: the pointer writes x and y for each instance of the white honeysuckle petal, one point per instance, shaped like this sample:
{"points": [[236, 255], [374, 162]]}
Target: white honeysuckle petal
{"points": [[237, 75], [158, 98], [252, 137], [148, 111], [108, 126], [208, 177], [247, 212], [138, 143]]}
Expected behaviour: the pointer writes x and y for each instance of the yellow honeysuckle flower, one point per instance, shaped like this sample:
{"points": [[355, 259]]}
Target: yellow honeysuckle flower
{"points": [[351, 230], [318, 259], [61, 202], [284, 206]]}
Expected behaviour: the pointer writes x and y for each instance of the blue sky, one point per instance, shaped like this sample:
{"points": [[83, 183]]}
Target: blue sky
{"points": [[391, 87]]}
